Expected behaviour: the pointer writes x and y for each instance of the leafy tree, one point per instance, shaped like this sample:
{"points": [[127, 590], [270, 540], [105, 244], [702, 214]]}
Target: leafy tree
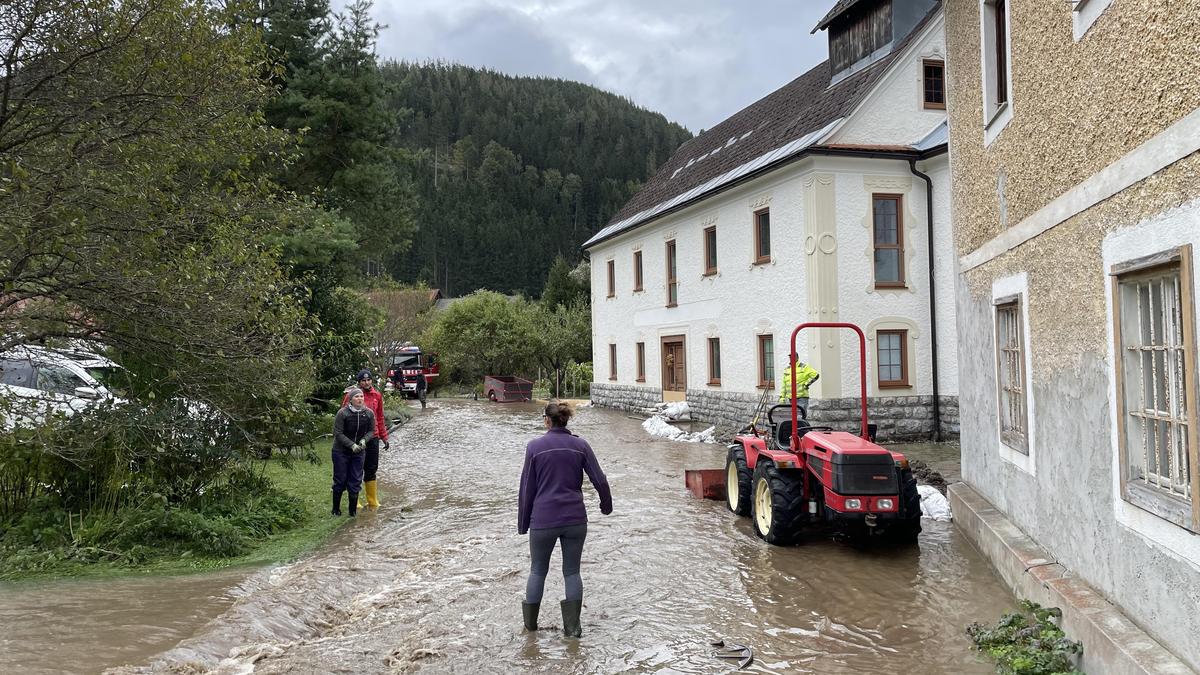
{"points": [[484, 333], [562, 334], [358, 185], [562, 288], [335, 97], [134, 209], [407, 312]]}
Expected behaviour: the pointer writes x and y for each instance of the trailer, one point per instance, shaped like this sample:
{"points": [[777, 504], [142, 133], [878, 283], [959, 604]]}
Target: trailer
{"points": [[507, 388]]}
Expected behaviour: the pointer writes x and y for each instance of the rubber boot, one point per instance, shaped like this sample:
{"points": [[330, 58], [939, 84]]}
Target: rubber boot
{"points": [[372, 493], [570, 613], [337, 503], [353, 504], [529, 611]]}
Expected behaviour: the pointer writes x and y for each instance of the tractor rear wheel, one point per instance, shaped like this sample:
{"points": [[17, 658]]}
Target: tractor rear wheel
{"points": [[737, 480], [777, 505]]}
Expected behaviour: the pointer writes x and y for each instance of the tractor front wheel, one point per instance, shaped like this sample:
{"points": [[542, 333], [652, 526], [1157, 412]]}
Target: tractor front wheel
{"points": [[737, 480], [907, 530], [777, 505]]}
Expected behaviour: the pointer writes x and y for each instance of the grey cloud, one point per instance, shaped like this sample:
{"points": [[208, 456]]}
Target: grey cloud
{"points": [[696, 61]]}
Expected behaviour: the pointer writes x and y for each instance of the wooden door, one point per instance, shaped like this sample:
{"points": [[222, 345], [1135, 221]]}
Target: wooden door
{"points": [[674, 368]]}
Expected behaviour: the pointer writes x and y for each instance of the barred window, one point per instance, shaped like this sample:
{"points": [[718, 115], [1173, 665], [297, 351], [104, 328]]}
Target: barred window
{"points": [[1157, 416], [1010, 366]]}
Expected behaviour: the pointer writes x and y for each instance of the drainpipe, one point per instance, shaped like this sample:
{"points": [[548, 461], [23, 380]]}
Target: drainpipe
{"points": [[937, 406]]}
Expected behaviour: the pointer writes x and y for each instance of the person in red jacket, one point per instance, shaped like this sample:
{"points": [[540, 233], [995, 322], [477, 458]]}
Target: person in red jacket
{"points": [[373, 400]]}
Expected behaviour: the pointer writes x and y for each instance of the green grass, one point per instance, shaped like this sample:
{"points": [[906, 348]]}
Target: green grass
{"points": [[305, 480]]}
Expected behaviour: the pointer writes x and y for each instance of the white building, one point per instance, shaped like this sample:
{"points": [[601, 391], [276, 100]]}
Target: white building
{"points": [[809, 205]]}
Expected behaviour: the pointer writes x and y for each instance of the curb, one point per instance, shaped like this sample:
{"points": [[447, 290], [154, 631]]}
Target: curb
{"points": [[1112, 643]]}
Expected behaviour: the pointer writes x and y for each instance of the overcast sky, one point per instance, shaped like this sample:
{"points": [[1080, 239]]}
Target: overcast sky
{"points": [[695, 61]]}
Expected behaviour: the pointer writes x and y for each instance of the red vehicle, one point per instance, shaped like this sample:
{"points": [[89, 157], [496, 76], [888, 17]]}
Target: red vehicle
{"points": [[406, 365], [807, 477], [507, 389]]}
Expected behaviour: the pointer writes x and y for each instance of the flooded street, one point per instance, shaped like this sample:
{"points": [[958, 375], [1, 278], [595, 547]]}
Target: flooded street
{"points": [[436, 586]]}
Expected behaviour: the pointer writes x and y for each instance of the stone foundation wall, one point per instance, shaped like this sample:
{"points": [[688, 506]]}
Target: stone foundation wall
{"points": [[949, 413], [625, 397], [729, 411], [898, 419]]}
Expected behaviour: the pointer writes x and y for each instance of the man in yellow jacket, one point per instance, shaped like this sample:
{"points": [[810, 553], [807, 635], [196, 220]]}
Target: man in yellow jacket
{"points": [[806, 375]]}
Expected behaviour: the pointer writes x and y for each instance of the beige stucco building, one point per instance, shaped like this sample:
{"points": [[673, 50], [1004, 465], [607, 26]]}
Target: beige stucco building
{"points": [[1074, 128]]}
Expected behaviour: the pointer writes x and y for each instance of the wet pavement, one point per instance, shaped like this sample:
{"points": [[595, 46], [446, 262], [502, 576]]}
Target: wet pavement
{"points": [[433, 581]]}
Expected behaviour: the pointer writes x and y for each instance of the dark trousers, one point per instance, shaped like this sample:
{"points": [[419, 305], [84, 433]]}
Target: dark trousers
{"points": [[370, 463], [541, 545], [347, 472]]}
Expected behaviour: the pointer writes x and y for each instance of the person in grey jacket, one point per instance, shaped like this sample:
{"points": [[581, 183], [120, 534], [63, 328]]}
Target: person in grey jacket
{"points": [[353, 427]]}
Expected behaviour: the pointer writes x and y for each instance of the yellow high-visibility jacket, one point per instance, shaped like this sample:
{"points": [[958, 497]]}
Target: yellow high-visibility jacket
{"points": [[805, 375]]}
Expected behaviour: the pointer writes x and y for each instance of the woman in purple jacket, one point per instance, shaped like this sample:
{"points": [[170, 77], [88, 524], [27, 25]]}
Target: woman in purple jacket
{"points": [[551, 509]]}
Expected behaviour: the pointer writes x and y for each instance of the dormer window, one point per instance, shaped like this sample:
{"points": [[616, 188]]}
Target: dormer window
{"points": [[858, 34]]}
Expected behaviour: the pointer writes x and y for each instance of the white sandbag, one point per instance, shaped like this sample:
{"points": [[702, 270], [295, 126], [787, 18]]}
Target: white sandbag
{"points": [[934, 504]]}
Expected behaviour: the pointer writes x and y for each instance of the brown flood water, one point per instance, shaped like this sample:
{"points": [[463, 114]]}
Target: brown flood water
{"points": [[436, 587]]}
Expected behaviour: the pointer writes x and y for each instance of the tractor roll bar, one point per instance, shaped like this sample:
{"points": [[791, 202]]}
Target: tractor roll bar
{"points": [[862, 373]]}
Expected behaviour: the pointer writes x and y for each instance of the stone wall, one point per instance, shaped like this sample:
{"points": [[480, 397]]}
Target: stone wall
{"points": [[625, 397], [729, 411], [949, 413], [898, 419]]}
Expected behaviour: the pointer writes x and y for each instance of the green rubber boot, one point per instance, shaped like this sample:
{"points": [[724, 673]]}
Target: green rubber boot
{"points": [[529, 611], [570, 613]]}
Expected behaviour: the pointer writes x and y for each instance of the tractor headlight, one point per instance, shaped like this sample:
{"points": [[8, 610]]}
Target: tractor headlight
{"points": [[885, 504], [854, 504]]}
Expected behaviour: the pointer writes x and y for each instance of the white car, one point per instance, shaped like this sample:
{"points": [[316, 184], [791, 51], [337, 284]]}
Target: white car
{"points": [[37, 381]]}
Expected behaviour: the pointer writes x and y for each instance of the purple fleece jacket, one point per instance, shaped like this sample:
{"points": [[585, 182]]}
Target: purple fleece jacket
{"points": [[552, 482]]}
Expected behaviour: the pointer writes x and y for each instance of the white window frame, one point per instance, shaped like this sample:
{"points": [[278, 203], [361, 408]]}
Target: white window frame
{"points": [[1006, 289], [1084, 14], [1172, 228], [996, 116]]}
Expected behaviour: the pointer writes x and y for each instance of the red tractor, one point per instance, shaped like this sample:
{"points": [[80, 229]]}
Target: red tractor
{"points": [[802, 477]]}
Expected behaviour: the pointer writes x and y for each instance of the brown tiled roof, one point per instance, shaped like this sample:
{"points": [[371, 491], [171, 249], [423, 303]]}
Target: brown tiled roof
{"points": [[803, 105], [840, 7]]}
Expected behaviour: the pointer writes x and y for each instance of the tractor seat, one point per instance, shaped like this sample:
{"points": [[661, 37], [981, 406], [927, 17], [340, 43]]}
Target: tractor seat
{"points": [[784, 434]]}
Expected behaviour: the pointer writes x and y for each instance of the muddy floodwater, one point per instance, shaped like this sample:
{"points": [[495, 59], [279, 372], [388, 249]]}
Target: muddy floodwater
{"points": [[433, 581]]}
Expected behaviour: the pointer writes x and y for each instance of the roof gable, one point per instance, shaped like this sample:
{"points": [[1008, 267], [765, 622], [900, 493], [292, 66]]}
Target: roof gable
{"points": [[779, 125]]}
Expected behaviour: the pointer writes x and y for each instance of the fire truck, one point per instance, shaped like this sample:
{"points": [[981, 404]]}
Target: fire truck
{"points": [[406, 365]]}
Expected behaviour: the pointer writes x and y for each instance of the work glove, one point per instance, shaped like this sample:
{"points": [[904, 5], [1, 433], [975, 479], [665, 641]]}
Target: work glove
{"points": [[387, 445], [357, 447]]}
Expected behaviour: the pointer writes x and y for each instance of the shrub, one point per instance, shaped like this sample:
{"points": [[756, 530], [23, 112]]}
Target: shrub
{"points": [[1029, 642]]}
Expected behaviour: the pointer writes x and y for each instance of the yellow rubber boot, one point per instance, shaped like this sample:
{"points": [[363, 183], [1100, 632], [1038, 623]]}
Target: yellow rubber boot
{"points": [[372, 494]]}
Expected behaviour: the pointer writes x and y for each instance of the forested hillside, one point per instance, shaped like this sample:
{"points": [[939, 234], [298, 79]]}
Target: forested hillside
{"points": [[512, 172]]}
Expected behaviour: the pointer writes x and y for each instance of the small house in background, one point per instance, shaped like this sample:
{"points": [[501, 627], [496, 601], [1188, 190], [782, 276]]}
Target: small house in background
{"points": [[1074, 128], [827, 200]]}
